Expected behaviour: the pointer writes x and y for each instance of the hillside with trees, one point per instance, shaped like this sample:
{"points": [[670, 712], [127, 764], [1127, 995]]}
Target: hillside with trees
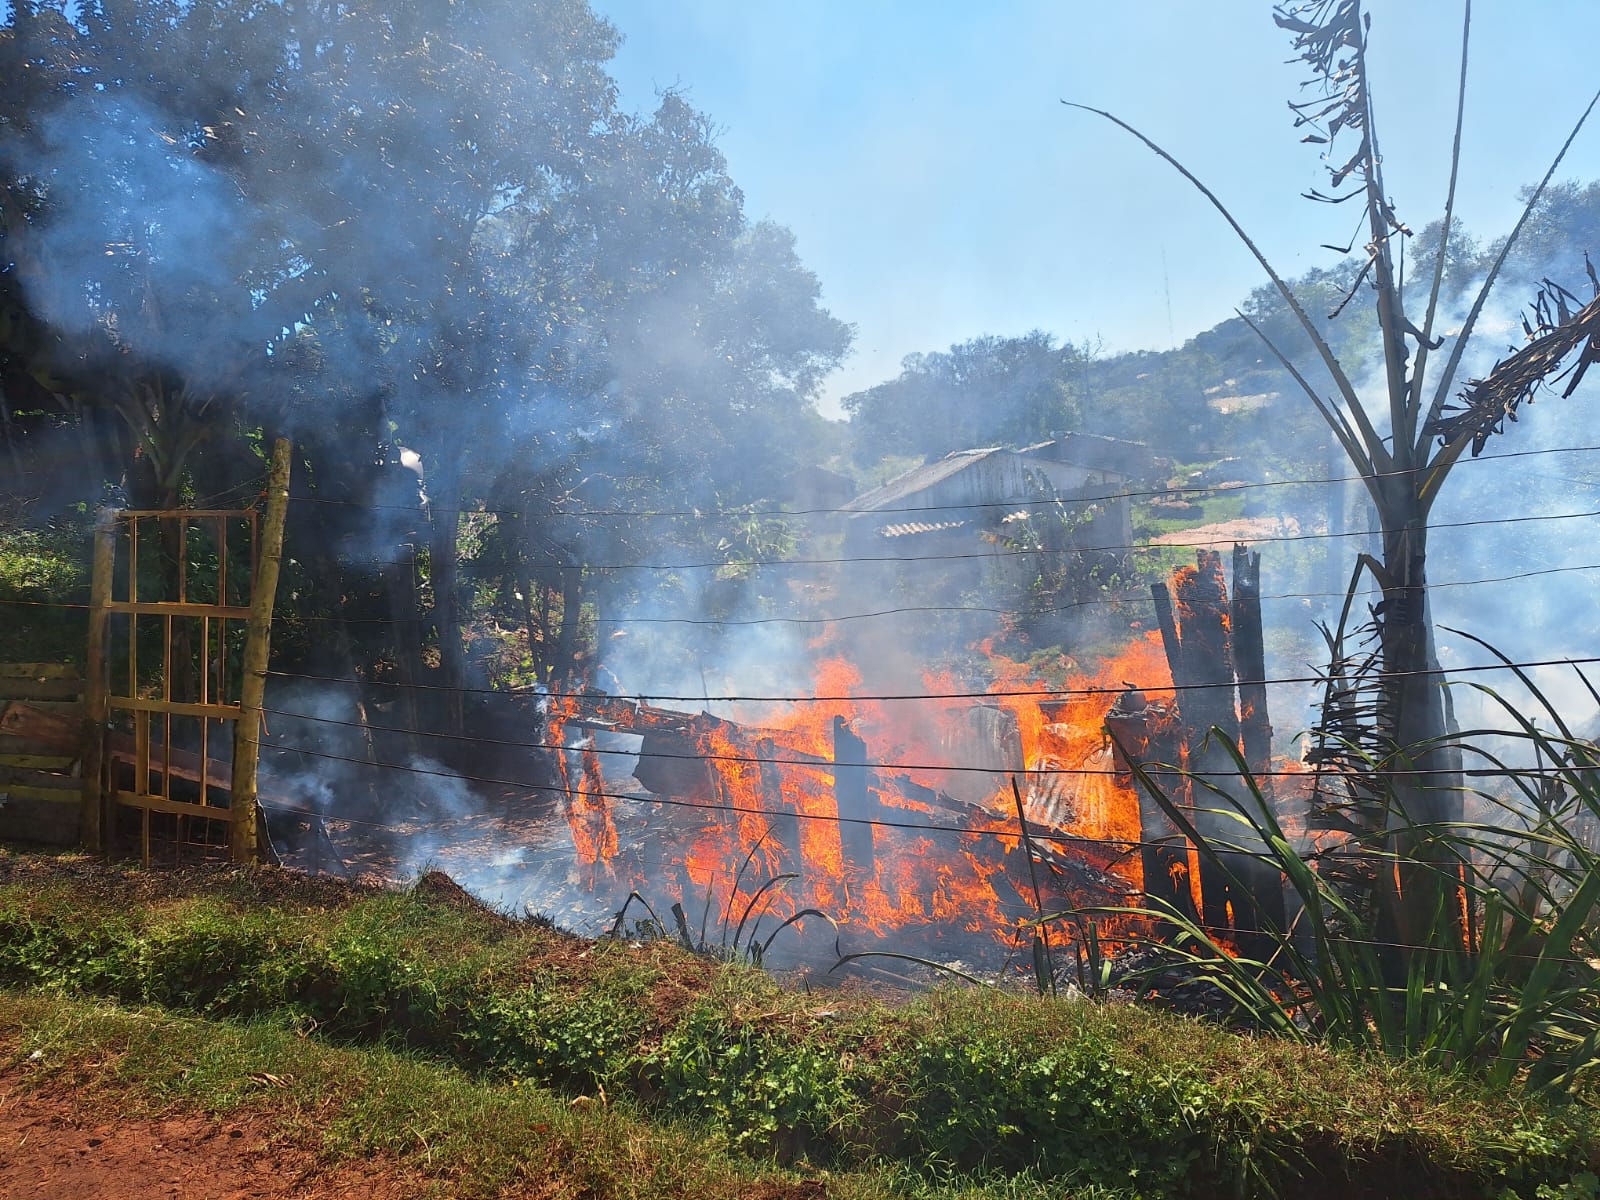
{"points": [[1221, 393]]}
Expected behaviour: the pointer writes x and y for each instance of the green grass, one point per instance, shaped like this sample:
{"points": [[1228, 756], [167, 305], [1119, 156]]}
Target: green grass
{"points": [[1209, 508], [707, 1067], [470, 1137]]}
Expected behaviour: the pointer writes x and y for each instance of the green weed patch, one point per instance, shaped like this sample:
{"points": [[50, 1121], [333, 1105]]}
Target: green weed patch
{"points": [[952, 1086]]}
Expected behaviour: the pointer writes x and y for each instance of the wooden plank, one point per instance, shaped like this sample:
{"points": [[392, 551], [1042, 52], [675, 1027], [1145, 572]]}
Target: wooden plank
{"points": [[178, 608], [71, 709], [36, 721], [59, 763], [92, 811], [38, 671], [219, 712], [37, 817], [31, 777], [187, 514], [29, 791], [142, 800], [13, 687], [12, 745], [180, 764]]}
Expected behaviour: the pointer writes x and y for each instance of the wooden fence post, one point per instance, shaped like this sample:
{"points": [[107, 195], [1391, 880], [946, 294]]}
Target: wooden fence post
{"points": [[91, 817], [253, 680]]}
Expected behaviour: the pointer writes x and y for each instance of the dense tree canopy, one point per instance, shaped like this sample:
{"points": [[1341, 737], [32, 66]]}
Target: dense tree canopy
{"points": [[424, 227], [985, 392]]}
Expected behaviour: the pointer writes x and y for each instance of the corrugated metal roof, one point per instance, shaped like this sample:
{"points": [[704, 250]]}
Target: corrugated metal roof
{"points": [[1094, 452], [918, 479], [912, 528]]}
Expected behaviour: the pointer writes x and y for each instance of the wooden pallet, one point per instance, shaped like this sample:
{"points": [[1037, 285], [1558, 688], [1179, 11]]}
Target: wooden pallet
{"points": [[41, 733]]}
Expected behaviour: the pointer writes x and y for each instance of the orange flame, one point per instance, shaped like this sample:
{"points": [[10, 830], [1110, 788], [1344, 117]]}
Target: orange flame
{"points": [[931, 841]]}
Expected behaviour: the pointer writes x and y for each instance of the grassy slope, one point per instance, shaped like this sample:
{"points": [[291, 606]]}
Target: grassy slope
{"points": [[424, 1028]]}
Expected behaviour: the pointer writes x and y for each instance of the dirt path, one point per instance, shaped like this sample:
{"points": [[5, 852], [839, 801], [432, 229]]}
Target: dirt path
{"points": [[1221, 534], [53, 1148]]}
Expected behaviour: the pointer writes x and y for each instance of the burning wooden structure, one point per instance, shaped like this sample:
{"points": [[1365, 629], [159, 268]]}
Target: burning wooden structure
{"points": [[1187, 748], [872, 844], [813, 794], [899, 821]]}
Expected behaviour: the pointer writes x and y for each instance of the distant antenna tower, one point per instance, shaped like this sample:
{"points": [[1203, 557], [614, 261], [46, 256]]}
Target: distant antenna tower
{"points": [[1166, 289]]}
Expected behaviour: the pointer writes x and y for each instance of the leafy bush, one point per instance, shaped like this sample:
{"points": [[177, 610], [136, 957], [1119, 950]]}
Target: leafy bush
{"points": [[764, 1090], [537, 1035], [41, 564], [41, 570], [1512, 991], [222, 963], [1070, 1110]]}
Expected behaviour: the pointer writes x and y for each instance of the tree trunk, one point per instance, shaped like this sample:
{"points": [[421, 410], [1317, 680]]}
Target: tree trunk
{"points": [[400, 582], [567, 649], [10, 436], [1424, 771], [445, 571]]}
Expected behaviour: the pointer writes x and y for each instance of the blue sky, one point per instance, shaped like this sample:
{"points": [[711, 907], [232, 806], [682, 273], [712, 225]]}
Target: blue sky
{"points": [[940, 191]]}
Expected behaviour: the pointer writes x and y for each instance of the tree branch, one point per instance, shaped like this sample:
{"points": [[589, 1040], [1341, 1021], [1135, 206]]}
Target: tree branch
{"points": [[1454, 362]]}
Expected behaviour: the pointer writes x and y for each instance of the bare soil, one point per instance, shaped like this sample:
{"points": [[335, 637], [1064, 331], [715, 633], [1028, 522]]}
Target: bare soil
{"points": [[54, 1146], [1225, 533]]}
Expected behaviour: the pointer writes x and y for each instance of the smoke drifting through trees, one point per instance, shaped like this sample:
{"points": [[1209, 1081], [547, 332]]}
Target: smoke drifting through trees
{"points": [[427, 229], [502, 318]]}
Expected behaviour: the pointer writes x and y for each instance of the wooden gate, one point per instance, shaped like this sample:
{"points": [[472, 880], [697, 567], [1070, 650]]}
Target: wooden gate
{"points": [[180, 616]]}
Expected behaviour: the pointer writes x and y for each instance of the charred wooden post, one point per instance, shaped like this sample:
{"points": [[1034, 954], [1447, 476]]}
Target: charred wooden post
{"points": [[1201, 642], [1207, 648], [1194, 632], [1151, 736], [1266, 903], [1250, 665], [784, 821], [1162, 597], [854, 804], [92, 817]]}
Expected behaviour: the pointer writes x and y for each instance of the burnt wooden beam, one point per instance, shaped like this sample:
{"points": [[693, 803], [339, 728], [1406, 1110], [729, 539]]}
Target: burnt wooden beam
{"points": [[1207, 651], [784, 820], [1162, 597], [1215, 650], [1250, 664], [1152, 735], [854, 803]]}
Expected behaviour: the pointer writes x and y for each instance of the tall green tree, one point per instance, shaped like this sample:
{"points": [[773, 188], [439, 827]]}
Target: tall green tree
{"points": [[983, 392], [422, 229], [141, 275]]}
